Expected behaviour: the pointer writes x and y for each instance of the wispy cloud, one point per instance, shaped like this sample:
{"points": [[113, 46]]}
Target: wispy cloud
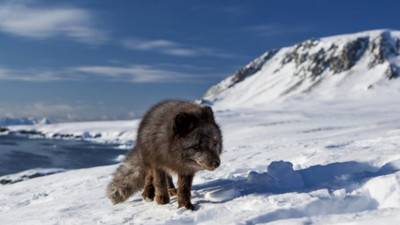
{"points": [[161, 46], [65, 112], [158, 73], [148, 45], [172, 48], [31, 75], [6, 113], [25, 20], [57, 112], [41, 108], [134, 73]]}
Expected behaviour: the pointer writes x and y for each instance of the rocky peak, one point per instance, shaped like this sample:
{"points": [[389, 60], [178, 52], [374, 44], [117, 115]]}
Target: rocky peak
{"points": [[384, 47], [333, 58], [252, 67], [302, 67]]}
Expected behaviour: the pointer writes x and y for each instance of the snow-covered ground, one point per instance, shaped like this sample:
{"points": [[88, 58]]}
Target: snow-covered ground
{"points": [[122, 132], [295, 162]]}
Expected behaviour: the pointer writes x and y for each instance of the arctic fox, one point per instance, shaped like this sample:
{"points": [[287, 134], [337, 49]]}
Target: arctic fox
{"points": [[174, 137]]}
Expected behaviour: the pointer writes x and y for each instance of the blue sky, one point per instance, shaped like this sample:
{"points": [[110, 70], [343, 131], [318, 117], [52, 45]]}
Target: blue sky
{"points": [[100, 59]]}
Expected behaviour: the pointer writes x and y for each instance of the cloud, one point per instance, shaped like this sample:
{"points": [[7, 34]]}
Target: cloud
{"points": [[148, 45], [181, 52], [56, 111], [171, 48], [134, 73], [126, 73], [29, 21], [40, 108], [6, 113], [33, 75]]}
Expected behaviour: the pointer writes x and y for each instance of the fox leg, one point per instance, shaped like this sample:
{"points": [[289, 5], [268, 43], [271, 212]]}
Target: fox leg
{"points": [[171, 187], [184, 188], [148, 192], [160, 185]]}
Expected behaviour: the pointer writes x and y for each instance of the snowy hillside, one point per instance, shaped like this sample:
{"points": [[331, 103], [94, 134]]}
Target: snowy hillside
{"points": [[335, 162], [349, 66]]}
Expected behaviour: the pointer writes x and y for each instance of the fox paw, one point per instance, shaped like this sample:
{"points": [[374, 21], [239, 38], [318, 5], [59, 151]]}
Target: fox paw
{"points": [[187, 205], [148, 194], [162, 199]]}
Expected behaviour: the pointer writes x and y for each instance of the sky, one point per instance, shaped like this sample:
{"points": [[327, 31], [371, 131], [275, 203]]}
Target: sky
{"points": [[81, 60]]}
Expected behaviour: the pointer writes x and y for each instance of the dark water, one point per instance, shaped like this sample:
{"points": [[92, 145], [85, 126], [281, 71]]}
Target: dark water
{"points": [[22, 153]]}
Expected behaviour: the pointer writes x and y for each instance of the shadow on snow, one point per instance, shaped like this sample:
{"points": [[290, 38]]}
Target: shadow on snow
{"points": [[281, 178]]}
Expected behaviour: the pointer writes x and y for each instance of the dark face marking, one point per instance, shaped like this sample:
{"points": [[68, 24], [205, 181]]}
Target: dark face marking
{"points": [[203, 146]]}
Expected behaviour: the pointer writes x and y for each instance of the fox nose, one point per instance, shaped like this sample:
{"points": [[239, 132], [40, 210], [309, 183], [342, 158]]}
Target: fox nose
{"points": [[216, 163]]}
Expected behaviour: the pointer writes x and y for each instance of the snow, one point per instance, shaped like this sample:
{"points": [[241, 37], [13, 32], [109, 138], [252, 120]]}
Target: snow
{"points": [[295, 162], [122, 132], [28, 174], [280, 79], [330, 156]]}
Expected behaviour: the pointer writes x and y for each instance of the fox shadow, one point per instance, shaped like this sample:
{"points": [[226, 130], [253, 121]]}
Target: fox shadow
{"points": [[282, 178]]}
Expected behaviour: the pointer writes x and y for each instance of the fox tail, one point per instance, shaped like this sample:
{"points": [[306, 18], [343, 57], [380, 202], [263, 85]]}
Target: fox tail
{"points": [[128, 179]]}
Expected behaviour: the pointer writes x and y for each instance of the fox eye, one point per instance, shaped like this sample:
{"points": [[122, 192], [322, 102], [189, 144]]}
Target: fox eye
{"points": [[196, 147]]}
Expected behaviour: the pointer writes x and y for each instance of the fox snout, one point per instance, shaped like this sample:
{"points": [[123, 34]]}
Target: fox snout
{"points": [[216, 164], [209, 163], [213, 165]]}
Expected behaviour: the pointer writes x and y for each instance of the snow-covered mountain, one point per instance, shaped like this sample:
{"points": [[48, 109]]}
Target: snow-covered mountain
{"points": [[23, 121], [353, 65]]}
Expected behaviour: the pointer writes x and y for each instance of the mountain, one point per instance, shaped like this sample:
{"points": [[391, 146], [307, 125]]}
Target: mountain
{"points": [[348, 66], [22, 121]]}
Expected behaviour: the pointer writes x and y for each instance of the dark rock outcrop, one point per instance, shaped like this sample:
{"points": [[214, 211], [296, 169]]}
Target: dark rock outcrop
{"points": [[252, 68]]}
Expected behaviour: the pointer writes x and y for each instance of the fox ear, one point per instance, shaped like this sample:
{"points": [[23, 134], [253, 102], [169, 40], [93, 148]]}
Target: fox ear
{"points": [[208, 113], [184, 123]]}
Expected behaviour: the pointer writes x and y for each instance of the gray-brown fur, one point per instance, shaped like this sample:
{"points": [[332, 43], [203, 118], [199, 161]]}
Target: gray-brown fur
{"points": [[174, 137]]}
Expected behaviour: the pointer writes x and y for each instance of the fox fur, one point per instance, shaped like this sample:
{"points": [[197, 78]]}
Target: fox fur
{"points": [[174, 137]]}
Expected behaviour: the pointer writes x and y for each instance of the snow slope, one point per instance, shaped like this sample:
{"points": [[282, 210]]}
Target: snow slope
{"points": [[296, 162], [355, 66]]}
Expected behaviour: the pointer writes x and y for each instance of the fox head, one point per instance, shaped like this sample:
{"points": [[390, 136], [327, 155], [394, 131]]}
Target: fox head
{"points": [[200, 138]]}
